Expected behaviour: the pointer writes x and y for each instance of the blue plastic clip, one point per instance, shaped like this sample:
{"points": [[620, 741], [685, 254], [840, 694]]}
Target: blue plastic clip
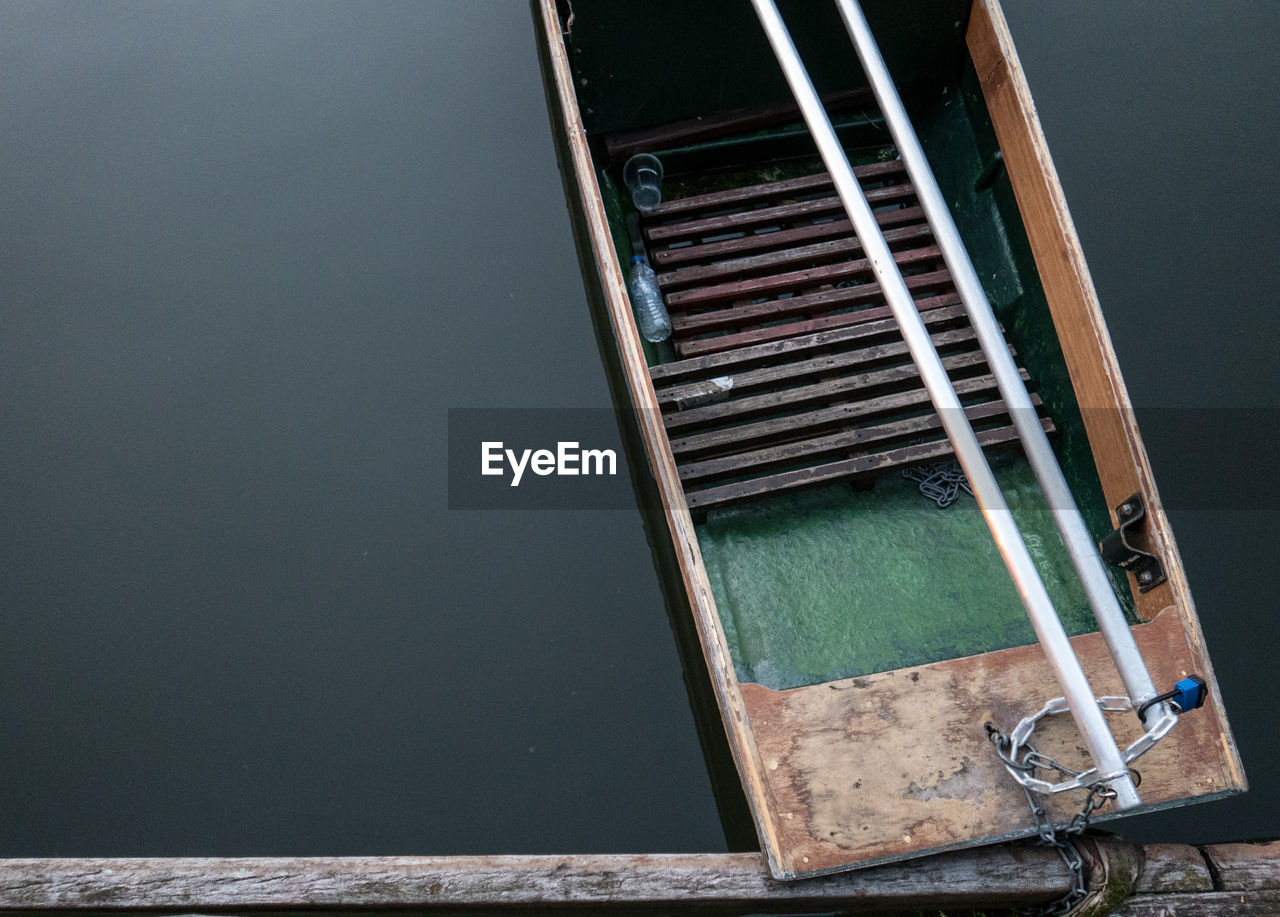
{"points": [[1190, 693]]}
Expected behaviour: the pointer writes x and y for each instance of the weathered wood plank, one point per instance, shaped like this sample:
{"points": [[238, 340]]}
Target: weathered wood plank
{"points": [[794, 398], [666, 374], [746, 314], [1173, 879], [787, 187], [780, 213], [792, 280], [710, 345], [793, 370], [818, 252], [797, 424], [1246, 867], [847, 469], [898, 762], [1006, 876], [846, 441], [1173, 868], [1201, 904], [760, 240]]}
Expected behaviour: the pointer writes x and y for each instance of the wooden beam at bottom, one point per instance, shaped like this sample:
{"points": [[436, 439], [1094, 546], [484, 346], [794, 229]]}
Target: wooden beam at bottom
{"points": [[1002, 877], [1161, 878]]}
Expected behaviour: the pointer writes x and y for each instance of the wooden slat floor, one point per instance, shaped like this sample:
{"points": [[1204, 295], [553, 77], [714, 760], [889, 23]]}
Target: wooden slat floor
{"points": [[790, 370]]}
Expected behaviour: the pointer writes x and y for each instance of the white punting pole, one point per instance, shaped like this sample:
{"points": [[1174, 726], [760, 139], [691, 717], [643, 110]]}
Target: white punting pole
{"points": [[1075, 534], [1053, 638]]}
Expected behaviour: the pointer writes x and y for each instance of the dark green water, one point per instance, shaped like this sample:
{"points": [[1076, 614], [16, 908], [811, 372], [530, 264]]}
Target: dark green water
{"points": [[249, 257]]}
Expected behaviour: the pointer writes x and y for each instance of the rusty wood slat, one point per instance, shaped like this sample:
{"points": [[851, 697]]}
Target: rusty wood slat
{"points": [[740, 219], [758, 241], [842, 470], [786, 257], [722, 124], [747, 194], [858, 439], [822, 418], [665, 374], [743, 314], [797, 397], [791, 280], [744, 381], [691, 349]]}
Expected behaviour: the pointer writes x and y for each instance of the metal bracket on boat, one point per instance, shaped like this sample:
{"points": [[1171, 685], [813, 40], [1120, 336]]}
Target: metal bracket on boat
{"points": [[1116, 549]]}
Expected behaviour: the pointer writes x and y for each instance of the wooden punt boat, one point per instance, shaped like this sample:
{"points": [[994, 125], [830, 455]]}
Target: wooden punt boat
{"points": [[858, 638]]}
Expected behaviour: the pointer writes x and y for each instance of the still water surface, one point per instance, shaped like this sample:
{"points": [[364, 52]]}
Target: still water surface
{"points": [[250, 254]]}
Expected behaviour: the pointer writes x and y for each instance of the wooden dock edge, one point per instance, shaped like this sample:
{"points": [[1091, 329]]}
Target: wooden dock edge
{"points": [[1126, 879]]}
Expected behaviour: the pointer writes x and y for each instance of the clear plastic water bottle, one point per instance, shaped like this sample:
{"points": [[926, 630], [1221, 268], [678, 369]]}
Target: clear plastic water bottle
{"points": [[651, 312]]}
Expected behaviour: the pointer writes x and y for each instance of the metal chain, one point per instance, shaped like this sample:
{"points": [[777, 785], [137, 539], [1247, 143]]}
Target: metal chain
{"points": [[941, 482], [1060, 838]]}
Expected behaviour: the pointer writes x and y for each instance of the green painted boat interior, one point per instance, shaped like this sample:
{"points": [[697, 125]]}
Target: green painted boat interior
{"points": [[840, 582]]}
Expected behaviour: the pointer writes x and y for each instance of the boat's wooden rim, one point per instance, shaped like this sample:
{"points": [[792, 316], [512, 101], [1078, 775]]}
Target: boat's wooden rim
{"points": [[1120, 454], [715, 647]]}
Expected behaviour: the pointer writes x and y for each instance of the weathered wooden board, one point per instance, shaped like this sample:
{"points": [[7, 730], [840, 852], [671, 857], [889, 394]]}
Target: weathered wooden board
{"points": [[1246, 867], [750, 313], [1168, 868], [867, 324], [1236, 879], [790, 307], [734, 882], [898, 763], [751, 434], [1163, 879]]}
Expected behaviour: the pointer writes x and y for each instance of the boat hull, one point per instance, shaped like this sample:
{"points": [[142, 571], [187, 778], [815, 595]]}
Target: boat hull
{"points": [[892, 764]]}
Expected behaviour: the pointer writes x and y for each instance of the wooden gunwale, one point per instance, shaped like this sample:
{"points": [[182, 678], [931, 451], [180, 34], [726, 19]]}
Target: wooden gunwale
{"points": [[1119, 452], [680, 525], [780, 788]]}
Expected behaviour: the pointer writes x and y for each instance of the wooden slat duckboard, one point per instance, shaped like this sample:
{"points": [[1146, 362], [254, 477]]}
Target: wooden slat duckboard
{"points": [[794, 373]]}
